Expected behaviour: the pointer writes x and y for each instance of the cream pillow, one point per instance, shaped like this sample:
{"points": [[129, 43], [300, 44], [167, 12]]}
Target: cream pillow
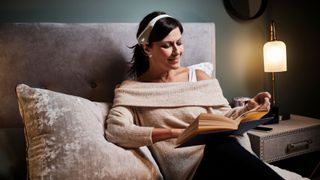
{"points": [[65, 139]]}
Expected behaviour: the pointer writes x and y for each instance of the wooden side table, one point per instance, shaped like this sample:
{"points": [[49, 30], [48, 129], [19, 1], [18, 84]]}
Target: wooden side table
{"points": [[289, 138]]}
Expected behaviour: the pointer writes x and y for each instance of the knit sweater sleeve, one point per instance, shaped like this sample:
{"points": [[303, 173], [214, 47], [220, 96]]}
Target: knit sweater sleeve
{"points": [[122, 131]]}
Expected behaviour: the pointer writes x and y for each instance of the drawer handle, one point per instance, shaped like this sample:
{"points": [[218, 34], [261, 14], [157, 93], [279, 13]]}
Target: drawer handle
{"points": [[298, 146]]}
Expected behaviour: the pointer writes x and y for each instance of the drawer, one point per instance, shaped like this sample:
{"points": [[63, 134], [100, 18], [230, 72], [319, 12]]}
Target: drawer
{"points": [[287, 144]]}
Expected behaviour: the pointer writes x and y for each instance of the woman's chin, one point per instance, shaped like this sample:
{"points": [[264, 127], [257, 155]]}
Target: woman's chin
{"points": [[174, 63], [175, 66]]}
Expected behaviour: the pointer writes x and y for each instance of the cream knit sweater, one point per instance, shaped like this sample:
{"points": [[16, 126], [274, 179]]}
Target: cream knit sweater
{"points": [[139, 107]]}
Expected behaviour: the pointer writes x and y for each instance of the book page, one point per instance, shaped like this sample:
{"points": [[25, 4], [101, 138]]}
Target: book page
{"points": [[209, 124], [215, 122], [252, 115]]}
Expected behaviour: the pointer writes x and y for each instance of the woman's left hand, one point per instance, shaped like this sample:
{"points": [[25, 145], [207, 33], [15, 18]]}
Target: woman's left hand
{"points": [[260, 101]]}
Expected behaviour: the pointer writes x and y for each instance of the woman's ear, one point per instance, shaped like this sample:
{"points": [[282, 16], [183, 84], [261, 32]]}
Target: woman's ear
{"points": [[146, 49]]}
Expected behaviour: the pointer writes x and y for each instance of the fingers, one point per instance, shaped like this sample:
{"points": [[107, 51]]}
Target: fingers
{"points": [[260, 101], [252, 104], [265, 105], [260, 97]]}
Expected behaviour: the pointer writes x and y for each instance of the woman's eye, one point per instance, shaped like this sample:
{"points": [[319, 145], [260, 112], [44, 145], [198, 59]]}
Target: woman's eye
{"points": [[166, 45], [169, 45]]}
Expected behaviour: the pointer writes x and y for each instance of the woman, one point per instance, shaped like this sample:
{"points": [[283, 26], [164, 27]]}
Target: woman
{"points": [[155, 108]]}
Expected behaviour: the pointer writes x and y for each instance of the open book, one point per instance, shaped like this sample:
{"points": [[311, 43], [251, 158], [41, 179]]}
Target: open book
{"points": [[206, 125]]}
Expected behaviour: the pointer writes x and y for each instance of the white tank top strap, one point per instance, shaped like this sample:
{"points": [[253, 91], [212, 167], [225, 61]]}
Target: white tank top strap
{"points": [[192, 75]]}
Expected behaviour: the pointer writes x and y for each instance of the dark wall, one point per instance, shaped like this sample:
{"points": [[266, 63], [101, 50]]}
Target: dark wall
{"points": [[298, 25], [239, 43]]}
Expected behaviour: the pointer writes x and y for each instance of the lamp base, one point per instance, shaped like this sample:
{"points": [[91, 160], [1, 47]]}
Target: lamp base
{"points": [[274, 112]]}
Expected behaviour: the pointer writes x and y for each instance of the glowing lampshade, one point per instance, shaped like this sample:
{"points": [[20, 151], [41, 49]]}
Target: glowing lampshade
{"points": [[275, 56]]}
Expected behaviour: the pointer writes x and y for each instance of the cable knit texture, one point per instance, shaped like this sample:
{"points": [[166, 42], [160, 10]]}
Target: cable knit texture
{"points": [[138, 107], [202, 93]]}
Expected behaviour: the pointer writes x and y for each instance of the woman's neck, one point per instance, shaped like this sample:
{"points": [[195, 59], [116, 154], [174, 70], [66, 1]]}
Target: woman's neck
{"points": [[175, 75]]}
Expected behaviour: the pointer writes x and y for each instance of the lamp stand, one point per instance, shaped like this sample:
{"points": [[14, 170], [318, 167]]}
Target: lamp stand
{"points": [[273, 88], [275, 60], [274, 109]]}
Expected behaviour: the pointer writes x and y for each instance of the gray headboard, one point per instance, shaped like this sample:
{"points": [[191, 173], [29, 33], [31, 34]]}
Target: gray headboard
{"points": [[86, 60]]}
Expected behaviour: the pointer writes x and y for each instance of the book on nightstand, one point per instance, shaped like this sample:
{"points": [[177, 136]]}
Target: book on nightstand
{"points": [[207, 126]]}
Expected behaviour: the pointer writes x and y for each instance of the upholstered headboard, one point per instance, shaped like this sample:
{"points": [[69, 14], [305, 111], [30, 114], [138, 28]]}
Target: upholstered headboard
{"points": [[86, 60]]}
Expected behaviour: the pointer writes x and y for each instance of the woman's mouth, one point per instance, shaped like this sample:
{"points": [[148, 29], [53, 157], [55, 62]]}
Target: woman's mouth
{"points": [[174, 60]]}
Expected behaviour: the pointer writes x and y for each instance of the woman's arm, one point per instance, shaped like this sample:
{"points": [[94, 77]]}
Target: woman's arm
{"points": [[161, 134], [201, 75], [121, 130]]}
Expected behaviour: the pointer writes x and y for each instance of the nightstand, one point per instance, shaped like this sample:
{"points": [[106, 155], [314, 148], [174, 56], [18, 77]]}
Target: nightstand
{"points": [[296, 136]]}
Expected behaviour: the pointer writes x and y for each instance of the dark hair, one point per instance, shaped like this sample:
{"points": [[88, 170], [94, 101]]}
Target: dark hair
{"points": [[139, 62]]}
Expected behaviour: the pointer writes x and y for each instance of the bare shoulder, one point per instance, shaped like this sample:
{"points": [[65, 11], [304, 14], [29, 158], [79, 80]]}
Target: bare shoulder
{"points": [[201, 75], [182, 71]]}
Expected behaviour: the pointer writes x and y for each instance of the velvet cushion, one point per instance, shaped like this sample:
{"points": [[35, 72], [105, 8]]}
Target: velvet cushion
{"points": [[65, 138]]}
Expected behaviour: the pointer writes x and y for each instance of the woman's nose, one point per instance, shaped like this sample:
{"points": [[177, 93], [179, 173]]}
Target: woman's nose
{"points": [[176, 50]]}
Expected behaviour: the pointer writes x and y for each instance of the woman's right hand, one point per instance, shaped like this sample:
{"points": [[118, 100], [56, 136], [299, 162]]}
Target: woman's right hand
{"points": [[161, 134]]}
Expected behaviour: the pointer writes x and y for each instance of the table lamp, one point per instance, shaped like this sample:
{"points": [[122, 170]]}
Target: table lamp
{"points": [[275, 60]]}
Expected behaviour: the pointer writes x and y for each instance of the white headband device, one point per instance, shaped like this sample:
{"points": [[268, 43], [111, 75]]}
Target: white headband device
{"points": [[143, 38]]}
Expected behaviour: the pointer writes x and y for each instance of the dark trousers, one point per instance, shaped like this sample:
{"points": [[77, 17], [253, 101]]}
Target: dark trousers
{"points": [[225, 158]]}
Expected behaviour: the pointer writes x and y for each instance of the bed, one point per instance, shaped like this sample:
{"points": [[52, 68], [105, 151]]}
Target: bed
{"points": [[57, 82], [75, 62]]}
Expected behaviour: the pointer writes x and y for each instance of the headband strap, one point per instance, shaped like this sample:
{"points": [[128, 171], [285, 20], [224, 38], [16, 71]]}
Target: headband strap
{"points": [[143, 38]]}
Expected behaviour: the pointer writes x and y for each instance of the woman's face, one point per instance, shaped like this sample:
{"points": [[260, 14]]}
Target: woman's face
{"points": [[166, 54]]}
